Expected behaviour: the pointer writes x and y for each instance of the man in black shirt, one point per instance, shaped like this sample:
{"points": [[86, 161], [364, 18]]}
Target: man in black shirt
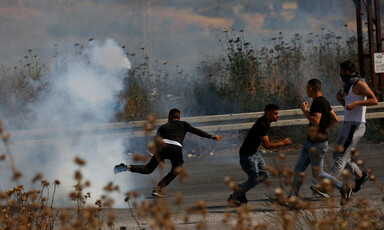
{"points": [[321, 117], [250, 159], [172, 134]]}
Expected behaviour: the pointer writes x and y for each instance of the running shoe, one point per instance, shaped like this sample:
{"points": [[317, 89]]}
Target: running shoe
{"points": [[345, 194], [121, 168], [243, 200], [319, 191], [157, 193], [236, 201], [233, 201], [360, 182]]}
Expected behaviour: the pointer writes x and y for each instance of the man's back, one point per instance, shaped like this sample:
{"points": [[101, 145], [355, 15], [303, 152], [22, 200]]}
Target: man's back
{"points": [[175, 130]]}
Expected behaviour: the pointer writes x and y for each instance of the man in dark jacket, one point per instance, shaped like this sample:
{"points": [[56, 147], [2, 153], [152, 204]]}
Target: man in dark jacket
{"points": [[172, 135]]}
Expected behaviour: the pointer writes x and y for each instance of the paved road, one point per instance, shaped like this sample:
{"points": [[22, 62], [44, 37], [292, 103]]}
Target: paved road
{"points": [[206, 182]]}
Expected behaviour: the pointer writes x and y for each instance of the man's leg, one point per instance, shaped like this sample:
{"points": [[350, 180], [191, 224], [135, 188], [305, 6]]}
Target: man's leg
{"points": [[149, 167], [250, 166], [357, 135], [361, 176], [262, 166], [176, 162], [349, 136], [317, 162], [301, 166], [316, 155]]}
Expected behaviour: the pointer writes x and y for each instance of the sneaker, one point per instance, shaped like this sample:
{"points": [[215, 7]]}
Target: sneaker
{"points": [[233, 201], [121, 168], [157, 193], [319, 191], [345, 194], [359, 182], [243, 200], [291, 202]]}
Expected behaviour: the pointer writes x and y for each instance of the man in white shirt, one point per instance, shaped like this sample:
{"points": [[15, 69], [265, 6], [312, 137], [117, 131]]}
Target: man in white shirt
{"points": [[355, 96]]}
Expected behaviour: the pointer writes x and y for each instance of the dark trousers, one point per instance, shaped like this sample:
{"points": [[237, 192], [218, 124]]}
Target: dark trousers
{"points": [[172, 153]]}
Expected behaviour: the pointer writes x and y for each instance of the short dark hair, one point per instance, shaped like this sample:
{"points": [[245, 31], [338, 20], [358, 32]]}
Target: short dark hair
{"points": [[315, 84], [174, 113], [348, 66], [271, 107]]}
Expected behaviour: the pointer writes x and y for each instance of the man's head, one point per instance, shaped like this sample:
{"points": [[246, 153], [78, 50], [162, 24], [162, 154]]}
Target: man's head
{"points": [[271, 112], [347, 66], [174, 114], [313, 87], [346, 69]]}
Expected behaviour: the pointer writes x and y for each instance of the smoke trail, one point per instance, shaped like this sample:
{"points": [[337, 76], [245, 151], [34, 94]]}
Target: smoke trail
{"points": [[81, 89]]}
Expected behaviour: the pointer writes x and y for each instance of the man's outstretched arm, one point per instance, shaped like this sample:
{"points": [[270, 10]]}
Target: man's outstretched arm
{"points": [[270, 145]]}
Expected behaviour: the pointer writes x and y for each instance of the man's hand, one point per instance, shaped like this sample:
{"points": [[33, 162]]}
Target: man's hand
{"points": [[304, 106], [217, 137], [287, 141], [350, 106]]}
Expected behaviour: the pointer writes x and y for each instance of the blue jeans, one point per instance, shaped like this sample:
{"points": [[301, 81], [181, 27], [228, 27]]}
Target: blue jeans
{"points": [[316, 159], [254, 166]]}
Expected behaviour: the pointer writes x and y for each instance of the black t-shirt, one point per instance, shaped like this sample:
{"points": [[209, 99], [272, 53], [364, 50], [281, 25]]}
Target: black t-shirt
{"points": [[252, 140], [176, 130], [320, 105]]}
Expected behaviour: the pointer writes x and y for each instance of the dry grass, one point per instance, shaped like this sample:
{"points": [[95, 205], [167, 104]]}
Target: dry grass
{"points": [[35, 209]]}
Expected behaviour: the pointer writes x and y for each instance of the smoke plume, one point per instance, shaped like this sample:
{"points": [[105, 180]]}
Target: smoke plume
{"points": [[83, 86]]}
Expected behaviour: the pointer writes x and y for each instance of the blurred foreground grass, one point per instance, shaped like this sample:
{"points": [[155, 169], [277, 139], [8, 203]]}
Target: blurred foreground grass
{"points": [[35, 209]]}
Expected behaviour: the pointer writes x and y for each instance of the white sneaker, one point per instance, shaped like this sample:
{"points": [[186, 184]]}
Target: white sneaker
{"points": [[157, 193], [318, 191]]}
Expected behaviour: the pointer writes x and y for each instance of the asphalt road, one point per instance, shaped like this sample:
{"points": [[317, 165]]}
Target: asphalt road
{"points": [[205, 181]]}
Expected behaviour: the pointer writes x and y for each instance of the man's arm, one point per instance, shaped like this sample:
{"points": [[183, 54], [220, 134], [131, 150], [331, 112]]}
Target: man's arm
{"points": [[340, 97], [201, 133], [270, 145], [363, 89], [333, 119], [313, 119]]}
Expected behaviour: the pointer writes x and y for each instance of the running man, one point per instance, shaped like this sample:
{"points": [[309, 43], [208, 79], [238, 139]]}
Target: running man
{"points": [[250, 159], [172, 134], [356, 95], [321, 117]]}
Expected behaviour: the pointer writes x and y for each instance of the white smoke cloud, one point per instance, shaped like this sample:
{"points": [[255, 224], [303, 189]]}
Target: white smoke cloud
{"points": [[81, 89]]}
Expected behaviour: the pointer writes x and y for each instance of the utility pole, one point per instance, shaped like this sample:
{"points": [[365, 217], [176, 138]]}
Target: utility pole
{"points": [[374, 37]]}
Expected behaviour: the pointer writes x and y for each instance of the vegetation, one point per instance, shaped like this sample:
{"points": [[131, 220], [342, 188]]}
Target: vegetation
{"points": [[35, 209], [19, 86], [243, 79]]}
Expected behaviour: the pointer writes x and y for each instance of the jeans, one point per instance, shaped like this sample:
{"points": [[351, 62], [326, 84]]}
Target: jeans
{"points": [[316, 159], [254, 166]]}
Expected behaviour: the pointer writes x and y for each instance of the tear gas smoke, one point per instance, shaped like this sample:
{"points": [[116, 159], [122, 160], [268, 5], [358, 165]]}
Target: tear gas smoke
{"points": [[81, 89]]}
